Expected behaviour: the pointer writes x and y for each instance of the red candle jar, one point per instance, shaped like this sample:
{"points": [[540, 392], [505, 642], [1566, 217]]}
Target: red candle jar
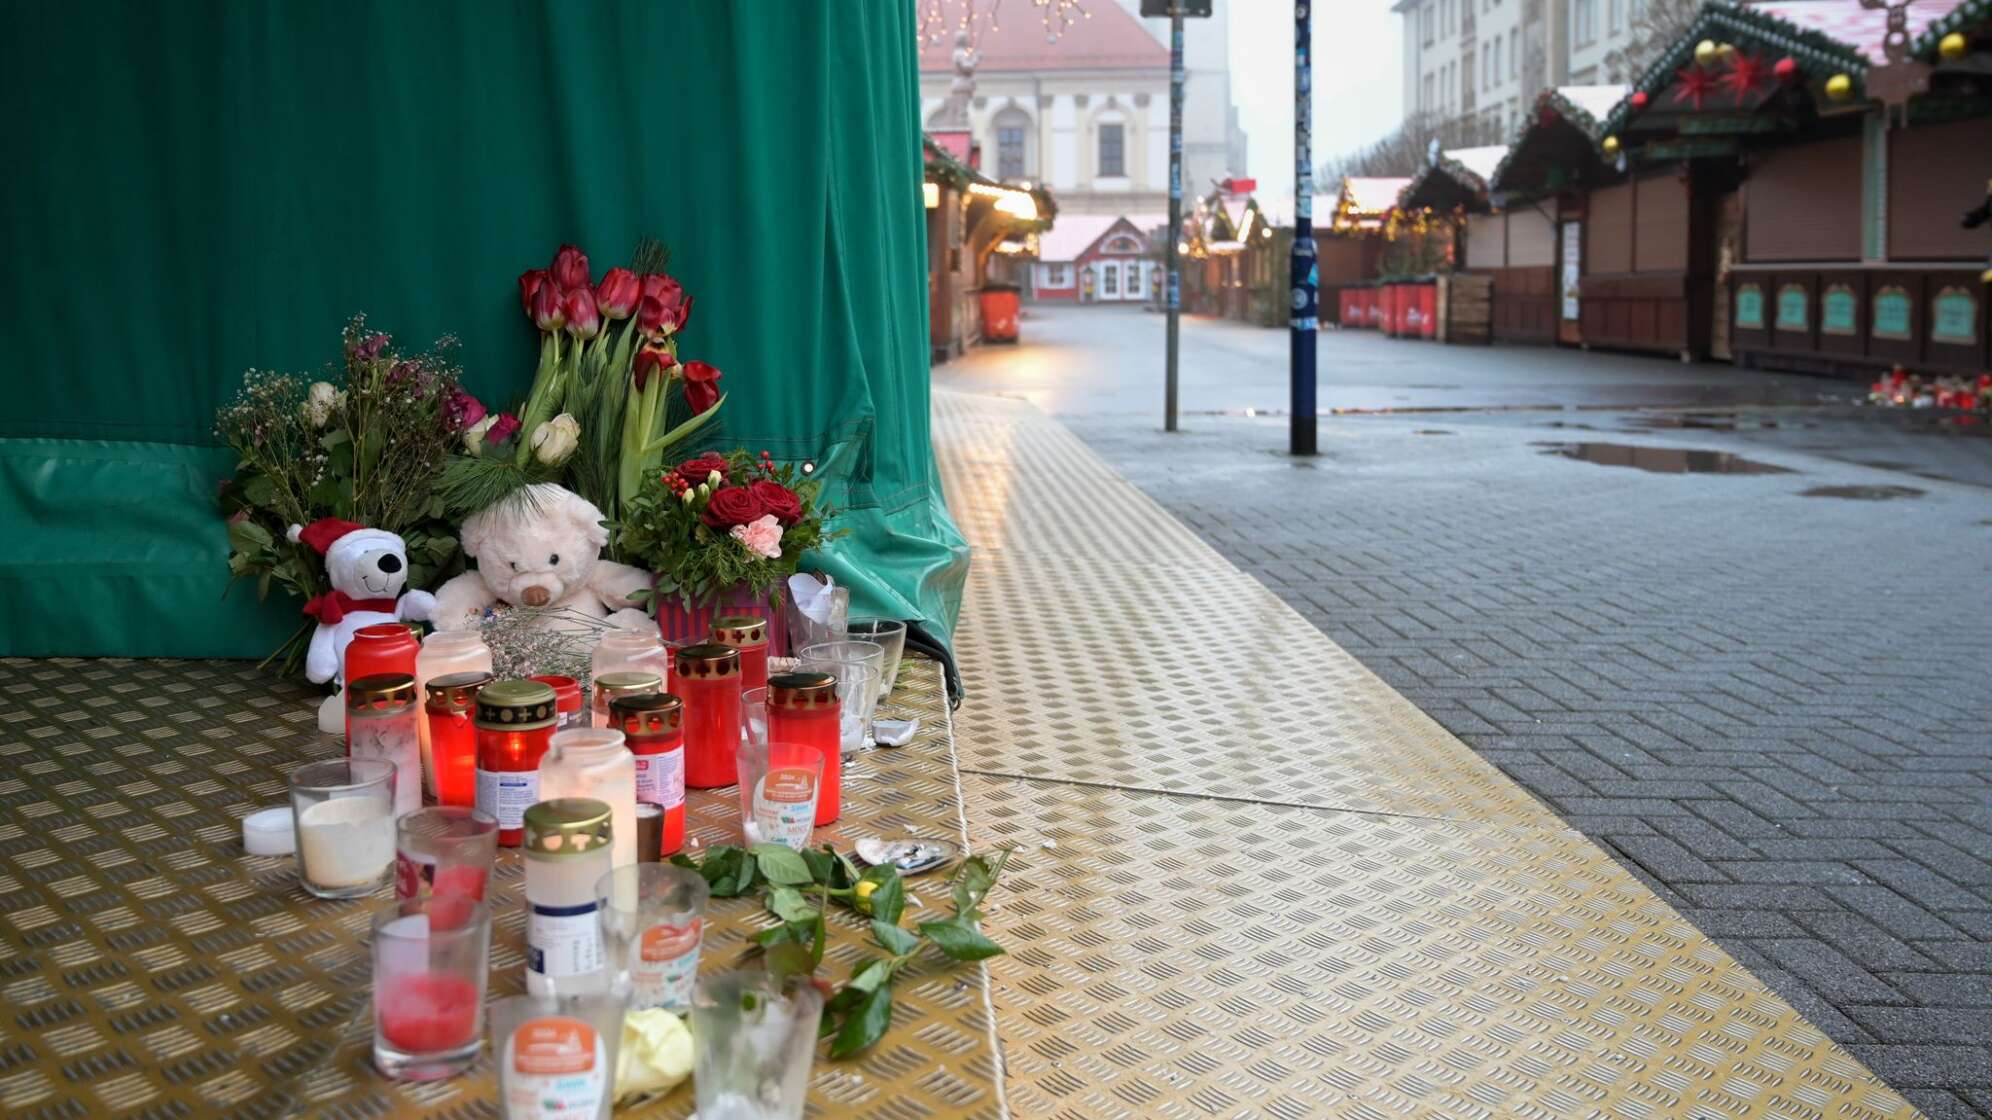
{"points": [[450, 708], [386, 647], [708, 680], [515, 726], [653, 727], [567, 702], [749, 635], [803, 709]]}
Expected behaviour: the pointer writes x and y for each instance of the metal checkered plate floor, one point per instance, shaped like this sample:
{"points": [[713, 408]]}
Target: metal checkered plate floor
{"points": [[1252, 880], [152, 970]]}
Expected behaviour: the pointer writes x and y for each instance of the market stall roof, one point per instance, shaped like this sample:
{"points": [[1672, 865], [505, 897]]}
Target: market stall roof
{"points": [[1847, 21], [1073, 234], [1821, 37], [1557, 143], [1365, 202], [1106, 38], [1034, 209], [1456, 178], [1968, 17]]}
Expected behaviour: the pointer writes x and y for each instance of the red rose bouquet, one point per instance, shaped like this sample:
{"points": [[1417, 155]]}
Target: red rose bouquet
{"points": [[718, 522]]}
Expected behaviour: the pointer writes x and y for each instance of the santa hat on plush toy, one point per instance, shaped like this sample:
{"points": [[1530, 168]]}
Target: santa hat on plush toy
{"points": [[341, 540]]}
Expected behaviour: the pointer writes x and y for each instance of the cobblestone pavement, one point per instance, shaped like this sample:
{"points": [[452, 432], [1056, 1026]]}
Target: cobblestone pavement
{"points": [[1770, 706]]}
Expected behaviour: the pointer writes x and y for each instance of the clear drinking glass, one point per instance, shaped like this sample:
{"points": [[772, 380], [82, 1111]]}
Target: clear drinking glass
{"points": [[857, 687], [444, 850], [557, 1054], [753, 715], [805, 631], [753, 1039], [779, 783], [344, 809], [890, 635], [430, 960], [653, 919]]}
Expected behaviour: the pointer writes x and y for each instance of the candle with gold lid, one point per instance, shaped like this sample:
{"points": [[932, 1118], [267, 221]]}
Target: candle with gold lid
{"points": [[568, 846], [515, 722], [803, 708], [632, 682], [708, 680], [749, 635], [653, 726], [449, 715], [381, 723]]}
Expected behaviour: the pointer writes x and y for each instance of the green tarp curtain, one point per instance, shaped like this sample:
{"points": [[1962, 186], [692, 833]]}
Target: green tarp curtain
{"points": [[194, 189]]}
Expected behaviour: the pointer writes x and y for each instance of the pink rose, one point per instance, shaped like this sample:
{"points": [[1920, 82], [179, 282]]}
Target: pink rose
{"points": [[762, 537]]}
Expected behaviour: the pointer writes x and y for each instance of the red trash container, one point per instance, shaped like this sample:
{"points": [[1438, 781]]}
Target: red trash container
{"points": [[999, 312], [1390, 305], [1428, 310]]}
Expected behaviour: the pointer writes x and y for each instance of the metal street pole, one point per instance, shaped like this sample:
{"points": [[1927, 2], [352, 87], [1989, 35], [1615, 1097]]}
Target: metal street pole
{"points": [[1175, 293], [1304, 331]]}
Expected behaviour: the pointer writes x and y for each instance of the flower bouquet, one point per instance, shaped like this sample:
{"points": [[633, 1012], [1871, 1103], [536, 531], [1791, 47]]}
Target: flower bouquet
{"points": [[722, 529], [607, 404], [365, 445]]}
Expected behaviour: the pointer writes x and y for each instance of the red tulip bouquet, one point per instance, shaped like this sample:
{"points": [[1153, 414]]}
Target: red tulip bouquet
{"points": [[720, 522], [607, 403]]}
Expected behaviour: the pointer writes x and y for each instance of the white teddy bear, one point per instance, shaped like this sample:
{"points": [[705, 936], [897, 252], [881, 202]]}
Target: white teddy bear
{"points": [[541, 549], [367, 569]]}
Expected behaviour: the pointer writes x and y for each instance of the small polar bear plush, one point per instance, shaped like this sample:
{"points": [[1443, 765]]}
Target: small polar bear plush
{"points": [[367, 569], [541, 549]]}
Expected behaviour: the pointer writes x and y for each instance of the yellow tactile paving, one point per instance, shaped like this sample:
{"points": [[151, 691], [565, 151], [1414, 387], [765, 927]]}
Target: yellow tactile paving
{"points": [[1255, 881]]}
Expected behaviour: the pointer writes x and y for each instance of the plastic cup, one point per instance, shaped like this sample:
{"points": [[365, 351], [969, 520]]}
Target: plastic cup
{"points": [[444, 850], [779, 783], [858, 692], [653, 921], [753, 1040], [430, 958], [557, 1054], [344, 809]]}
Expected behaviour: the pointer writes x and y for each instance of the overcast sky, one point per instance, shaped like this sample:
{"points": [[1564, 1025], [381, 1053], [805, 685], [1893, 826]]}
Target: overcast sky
{"points": [[1357, 87]]}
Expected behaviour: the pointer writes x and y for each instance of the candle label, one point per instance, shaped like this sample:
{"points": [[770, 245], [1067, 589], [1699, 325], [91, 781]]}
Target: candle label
{"points": [[555, 1069], [785, 806], [563, 940], [575, 718], [660, 778], [666, 966], [507, 794]]}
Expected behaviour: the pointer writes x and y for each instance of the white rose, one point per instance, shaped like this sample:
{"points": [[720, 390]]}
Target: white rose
{"points": [[473, 436], [319, 401], [656, 1053], [554, 440]]}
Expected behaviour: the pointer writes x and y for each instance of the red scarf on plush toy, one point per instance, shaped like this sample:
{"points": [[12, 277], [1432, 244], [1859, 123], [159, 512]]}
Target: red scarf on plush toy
{"points": [[334, 606]]}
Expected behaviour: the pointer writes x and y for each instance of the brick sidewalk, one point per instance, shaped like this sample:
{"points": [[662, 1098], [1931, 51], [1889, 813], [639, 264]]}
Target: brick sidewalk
{"points": [[1772, 708]]}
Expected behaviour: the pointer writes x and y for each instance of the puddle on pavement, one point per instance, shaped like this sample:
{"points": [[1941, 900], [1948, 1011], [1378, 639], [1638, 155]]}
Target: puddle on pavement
{"points": [[1863, 493], [1431, 432], [1659, 460], [1709, 422]]}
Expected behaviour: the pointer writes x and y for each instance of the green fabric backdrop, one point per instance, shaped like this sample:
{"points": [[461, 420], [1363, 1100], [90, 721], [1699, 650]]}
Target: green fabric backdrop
{"points": [[198, 188]]}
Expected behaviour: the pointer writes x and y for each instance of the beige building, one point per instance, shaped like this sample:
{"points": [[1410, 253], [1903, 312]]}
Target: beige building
{"points": [[1087, 113], [1488, 58]]}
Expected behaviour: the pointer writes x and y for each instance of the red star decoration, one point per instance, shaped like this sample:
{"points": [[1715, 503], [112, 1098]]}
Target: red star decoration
{"points": [[1748, 73], [1696, 84]]}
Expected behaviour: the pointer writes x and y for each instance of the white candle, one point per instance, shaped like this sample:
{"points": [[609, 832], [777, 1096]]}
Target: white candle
{"points": [[346, 841]]}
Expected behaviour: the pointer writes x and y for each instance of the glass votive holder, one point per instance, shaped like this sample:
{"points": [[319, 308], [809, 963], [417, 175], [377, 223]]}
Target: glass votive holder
{"points": [[557, 1054], [753, 1040], [653, 918], [779, 783], [344, 809], [444, 850], [430, 960], [889, 634]]}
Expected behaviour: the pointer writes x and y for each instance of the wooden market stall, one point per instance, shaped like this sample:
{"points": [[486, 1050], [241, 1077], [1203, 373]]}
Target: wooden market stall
{"points": [[1452, 187], [1536, 228], [1349, 244], [1833, 179], [976, 228]]}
